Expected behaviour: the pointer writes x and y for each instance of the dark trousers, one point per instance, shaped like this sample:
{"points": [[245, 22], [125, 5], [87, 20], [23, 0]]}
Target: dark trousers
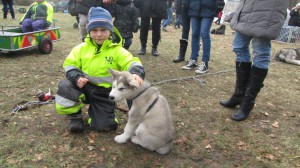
{"points": [[186, 22], [29, 25], [145, 25], [8, 3], [127, 43], [70, 99], [101, 109]]}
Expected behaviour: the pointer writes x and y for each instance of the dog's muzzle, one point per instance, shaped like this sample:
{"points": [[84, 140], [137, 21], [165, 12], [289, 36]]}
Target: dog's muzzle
{"points": [[112, 97]]}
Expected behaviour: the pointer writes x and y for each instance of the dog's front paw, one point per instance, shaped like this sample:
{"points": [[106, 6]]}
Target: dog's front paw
{"points": [[121, 138]]}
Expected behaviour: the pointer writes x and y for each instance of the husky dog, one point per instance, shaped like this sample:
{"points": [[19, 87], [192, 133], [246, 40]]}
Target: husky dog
{"points": [[289, 55], [149, 118]]}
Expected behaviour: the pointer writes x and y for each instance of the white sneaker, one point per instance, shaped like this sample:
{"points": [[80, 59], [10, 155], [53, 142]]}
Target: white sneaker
{"points": [[190, 65], [202, 69]]}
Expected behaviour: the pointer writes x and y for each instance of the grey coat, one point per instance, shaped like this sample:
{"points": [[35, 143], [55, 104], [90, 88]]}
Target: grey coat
{"points": [[260, 18]]}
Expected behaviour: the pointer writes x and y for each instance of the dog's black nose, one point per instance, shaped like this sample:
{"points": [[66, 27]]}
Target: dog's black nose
{"points": [[111, 97]]}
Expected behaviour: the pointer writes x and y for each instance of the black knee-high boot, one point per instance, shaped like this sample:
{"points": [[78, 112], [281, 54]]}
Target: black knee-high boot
{"points": [[257, 77], [182, 51], [242, 75]]}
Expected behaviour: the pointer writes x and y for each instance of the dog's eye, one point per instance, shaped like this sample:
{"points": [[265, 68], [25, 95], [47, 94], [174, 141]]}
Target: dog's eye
{"points": [[122, 89]]}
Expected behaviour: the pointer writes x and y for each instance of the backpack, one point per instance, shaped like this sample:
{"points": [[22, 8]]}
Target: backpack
{"points": [[72, 7]]}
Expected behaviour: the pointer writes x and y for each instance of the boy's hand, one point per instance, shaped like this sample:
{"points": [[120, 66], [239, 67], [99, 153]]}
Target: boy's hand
{"points": [[82, 81], [138, 79]]}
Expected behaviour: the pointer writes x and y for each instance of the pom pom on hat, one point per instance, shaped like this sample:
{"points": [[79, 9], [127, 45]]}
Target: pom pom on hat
{"points": [[99, 17]]}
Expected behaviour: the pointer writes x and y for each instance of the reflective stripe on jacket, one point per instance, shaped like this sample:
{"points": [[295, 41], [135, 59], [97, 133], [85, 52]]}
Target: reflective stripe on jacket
{"points": [[94, 62]]}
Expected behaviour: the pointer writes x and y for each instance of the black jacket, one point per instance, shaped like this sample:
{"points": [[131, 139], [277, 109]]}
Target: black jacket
{"points": [[152, 8], [84, 6], [126, 17], [202, 8]]}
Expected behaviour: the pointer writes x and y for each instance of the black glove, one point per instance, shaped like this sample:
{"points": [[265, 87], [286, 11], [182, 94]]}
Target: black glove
{"points": [[135, 28], [20, 23]]}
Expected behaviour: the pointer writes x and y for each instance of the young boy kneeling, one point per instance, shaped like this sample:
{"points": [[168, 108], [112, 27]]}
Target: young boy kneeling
{"points": [[88, 79]]}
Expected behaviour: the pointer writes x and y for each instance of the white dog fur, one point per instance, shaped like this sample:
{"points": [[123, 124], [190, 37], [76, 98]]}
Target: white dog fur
{"points": [[289, 55], [149, 118]]}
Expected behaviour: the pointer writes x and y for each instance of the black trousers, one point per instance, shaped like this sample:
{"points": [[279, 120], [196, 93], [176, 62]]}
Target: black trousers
{"points": [[145, 25], [101, 109]]}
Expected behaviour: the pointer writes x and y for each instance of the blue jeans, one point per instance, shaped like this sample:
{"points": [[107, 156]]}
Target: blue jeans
{"points": [[201, 29], [178, 21], [170, 17], [261, 50]]}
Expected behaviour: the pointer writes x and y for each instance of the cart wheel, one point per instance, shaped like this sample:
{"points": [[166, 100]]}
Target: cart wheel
{"points": [[75, 25], [45, 46], [22, 10]]}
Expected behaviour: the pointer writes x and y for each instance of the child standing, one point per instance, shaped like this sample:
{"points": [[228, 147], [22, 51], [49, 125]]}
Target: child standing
{"points": [[126, 20], [38, 17], [88, 79]]}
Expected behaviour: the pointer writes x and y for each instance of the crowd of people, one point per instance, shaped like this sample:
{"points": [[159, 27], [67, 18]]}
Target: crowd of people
{"points": [[90, 82]]}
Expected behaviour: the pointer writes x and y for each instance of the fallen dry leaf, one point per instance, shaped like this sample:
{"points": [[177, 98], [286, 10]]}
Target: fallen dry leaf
{"points": [[275, 124], [208, 146], [270, 157]]}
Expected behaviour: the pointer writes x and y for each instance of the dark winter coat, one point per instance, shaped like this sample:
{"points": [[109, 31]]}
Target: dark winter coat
{"points": [[178, 6], [220, 6], [202, 8], [126, 17], [84, 6], [260, 18], [294, 19], [152, 8]]}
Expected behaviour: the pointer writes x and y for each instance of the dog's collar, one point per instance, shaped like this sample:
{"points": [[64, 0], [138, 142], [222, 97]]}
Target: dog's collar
{"points": [[129, 101], [139, 93]]}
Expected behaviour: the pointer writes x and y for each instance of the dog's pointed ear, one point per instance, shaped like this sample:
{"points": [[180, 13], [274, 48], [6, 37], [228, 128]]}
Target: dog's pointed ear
{"points": [[133, 83], [112, 72]]}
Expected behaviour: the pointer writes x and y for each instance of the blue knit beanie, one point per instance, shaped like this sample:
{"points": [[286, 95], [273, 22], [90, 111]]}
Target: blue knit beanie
{"points": [[99, 17]]}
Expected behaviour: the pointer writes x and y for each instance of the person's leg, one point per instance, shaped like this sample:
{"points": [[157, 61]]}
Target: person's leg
{"points": [[68, 101], [192, 63], [169, 19], [38, 25], [243, 68], [11, 9], [177, 21], [262, 52], [240, 46], [205, 36], [5, 9], [82, 26], [196, 30], [127, 43], [259, 71], [185, 19], [205, 25], [145, 23], [186, 24], [101, 111], [27, 25], [155, 35]]}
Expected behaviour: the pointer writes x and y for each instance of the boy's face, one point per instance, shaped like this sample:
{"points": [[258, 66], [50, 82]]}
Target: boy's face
{"points": [[99, 34]]}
